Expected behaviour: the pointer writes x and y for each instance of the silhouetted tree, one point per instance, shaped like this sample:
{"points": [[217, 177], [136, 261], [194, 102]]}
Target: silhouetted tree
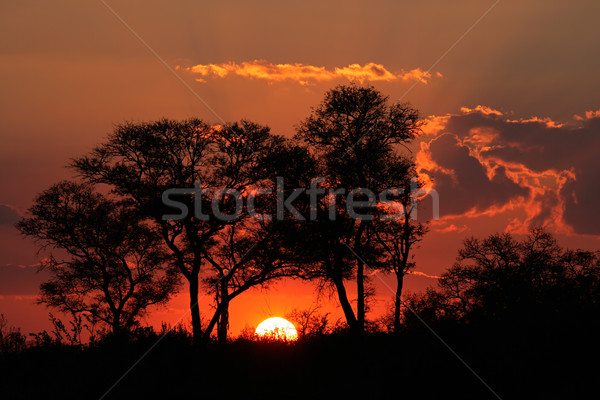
{"points": [[309, 322], [255, 251], [141, 161], [356, 138], [531, 283], [247, 254], [395, 238], [104, 262]]}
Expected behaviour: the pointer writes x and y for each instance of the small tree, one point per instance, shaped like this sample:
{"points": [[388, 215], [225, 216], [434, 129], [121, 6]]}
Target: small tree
{"points": [[11, 338], [395, 239], [309, 322], [104, 262]]}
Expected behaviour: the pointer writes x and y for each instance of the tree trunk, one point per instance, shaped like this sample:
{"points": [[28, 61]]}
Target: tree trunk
{"points": [[223, 325], [211, 325], [116, 327], [116, 317], [224, 317], [345, 303], [216, 320], [360, 281], [195, 310], [398, 303], [360, 296]]}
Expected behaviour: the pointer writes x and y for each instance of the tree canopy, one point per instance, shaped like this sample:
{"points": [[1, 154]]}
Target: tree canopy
{"points": [[104, 262]]}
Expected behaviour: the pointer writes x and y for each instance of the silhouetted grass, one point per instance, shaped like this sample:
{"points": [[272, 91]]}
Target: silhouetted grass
{"points": [[413, 364]]}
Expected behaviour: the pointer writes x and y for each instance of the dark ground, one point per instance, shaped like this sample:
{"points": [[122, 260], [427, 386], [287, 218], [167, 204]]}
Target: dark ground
{"points": [[516, 365]]}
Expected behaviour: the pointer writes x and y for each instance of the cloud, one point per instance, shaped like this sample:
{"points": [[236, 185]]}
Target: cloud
{"points": [[419, 273], [9, 215], [452, 228], [464, 184], [484, 164], [304, 74], [588, 115], [480, 109], [546, 121]]}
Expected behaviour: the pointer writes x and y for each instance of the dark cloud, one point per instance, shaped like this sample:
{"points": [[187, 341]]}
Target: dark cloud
{"points": [[582, 198], [566, 148], [8, 215], [462, 181], [542, 147], [557, 163]]}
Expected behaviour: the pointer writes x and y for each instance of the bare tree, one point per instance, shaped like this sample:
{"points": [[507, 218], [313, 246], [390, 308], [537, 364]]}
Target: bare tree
{"points": [[309, 321]]}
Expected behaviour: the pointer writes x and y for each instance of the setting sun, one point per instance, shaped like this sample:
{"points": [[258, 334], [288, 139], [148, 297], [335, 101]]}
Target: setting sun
{"points": [[277, 328]]}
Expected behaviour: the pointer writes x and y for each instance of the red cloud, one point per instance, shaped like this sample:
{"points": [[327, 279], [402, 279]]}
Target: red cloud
{"points": [[303, 73], [534, 171]]}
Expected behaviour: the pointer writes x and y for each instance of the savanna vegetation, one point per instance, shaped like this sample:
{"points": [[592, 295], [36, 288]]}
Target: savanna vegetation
{"points": [[512, 318]]}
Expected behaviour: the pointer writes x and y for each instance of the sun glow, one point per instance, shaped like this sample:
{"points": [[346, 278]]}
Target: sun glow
{"points": [[277, 328]]}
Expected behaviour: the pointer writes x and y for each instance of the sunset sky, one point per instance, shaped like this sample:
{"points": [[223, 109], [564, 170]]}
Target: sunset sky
{"points": [[509, 89]]}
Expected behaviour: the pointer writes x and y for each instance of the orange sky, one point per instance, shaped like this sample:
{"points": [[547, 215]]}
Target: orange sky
{"points": [[512, 106]]}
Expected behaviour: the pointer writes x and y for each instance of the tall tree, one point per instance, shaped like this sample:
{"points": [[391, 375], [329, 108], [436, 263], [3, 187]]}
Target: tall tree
{"points": [[142, 161], [356, 137], [104, 262], [259, 246]]}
